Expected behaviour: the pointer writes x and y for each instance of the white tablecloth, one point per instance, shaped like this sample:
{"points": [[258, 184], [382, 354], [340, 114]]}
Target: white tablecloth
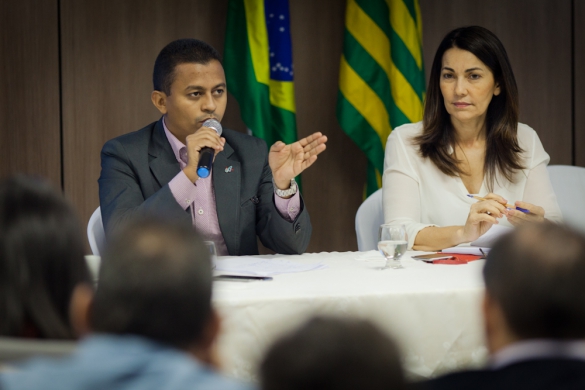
{"points": [[432, 311]]}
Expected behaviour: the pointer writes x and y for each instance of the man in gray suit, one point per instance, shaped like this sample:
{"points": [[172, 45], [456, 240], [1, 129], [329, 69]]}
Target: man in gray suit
{"points": [[250, 192]]}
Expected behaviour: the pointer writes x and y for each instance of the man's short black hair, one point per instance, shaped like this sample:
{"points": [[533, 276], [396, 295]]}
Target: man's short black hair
{"points": [[332, 354], [178, 52], [155, 282], [537, 275]]}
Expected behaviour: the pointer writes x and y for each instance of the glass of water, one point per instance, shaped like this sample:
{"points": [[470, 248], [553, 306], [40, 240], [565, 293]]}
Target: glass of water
{"points": [[392, 242], [212, 252]]}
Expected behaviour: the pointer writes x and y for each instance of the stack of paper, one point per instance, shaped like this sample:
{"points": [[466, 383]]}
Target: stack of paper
{"points": [[246, 265], [483, 244]]}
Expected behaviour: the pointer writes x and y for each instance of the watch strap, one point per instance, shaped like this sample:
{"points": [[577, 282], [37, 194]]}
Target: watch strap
{"points": [[288, 192]]}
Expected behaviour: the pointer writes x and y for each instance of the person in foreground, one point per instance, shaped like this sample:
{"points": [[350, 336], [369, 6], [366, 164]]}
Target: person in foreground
{"points": [[41, 260], [534, 313], [150, 324], [469, 143], [333, 354], [251, 192]]}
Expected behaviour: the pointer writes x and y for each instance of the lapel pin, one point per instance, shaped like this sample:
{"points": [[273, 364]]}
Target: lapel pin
{"points": [[229, 169]]}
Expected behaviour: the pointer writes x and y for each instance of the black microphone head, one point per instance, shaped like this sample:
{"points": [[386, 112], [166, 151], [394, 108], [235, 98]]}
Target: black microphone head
{"points": [[213, 124]]}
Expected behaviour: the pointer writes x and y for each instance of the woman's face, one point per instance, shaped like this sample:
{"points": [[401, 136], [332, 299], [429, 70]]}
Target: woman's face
{"points": [[467, 85]]}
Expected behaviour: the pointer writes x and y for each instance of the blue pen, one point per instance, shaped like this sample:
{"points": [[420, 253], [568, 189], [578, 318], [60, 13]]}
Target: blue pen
{"points": [[510, 206]]}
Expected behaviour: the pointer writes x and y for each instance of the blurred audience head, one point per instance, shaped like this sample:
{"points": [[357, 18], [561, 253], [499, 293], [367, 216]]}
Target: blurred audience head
{"points": [[155, 281], [41, 260], [332, 354], [535, 285]]}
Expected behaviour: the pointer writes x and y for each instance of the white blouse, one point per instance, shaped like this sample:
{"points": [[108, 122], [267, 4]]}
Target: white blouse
{"points": [[417, 194]]}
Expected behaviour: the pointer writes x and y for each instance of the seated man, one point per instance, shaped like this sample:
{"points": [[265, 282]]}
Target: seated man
{"points": [[534, 313], [251, 192], [150, 325], [332, 354]]}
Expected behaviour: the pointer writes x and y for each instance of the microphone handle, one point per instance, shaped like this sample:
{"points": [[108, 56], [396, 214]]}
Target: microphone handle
{"points": [[205, 162]]}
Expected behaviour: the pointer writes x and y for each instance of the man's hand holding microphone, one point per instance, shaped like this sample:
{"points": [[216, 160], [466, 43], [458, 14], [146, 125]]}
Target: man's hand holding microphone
{"points": [[201, 149]]}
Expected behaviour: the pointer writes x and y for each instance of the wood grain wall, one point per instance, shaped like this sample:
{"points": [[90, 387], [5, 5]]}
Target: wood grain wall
{"points": [[29, 84], [579, 81], [108, 50]]}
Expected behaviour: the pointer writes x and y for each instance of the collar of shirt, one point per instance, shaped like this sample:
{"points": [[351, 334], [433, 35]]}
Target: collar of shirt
{"points": [[179, 149], [538, 349]]}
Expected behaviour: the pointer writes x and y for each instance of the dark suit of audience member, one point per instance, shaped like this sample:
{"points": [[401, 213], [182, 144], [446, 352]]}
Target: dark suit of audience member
{"points": [[150, 324], [534, 313], [333, 354], [41, 260]]}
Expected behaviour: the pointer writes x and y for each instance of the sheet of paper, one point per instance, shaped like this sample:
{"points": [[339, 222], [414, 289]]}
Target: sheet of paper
{"points": [[246, 265], [466, 250], [489, 237]]}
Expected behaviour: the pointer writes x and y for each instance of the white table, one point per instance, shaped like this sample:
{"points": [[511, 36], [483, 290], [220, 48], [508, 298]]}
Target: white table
{"points": [[432, 311]]}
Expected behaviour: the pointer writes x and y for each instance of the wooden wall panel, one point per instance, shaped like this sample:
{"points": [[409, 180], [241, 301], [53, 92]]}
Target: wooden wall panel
{"points": [[579, 81], [29, 81], [537, 36]]}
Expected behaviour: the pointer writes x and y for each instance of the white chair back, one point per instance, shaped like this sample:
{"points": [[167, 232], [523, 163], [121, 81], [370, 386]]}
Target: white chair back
{"points": [[368, 219], [95, 232], [569, 185]]}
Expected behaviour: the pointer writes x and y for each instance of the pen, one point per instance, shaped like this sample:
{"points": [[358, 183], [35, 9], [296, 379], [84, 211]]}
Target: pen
{"points": [[241, 277], [508, 205]]}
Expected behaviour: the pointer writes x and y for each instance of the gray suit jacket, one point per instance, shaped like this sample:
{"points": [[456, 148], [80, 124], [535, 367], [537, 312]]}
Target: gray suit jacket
{"points": [[136, 170]]}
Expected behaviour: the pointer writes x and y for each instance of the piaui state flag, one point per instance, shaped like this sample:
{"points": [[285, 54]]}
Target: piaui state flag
{"points": [[381, 81], [259, 68]]}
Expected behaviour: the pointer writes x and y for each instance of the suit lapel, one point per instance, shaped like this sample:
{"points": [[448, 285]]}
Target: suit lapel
{"points": [[163, 165], [227, 178]]}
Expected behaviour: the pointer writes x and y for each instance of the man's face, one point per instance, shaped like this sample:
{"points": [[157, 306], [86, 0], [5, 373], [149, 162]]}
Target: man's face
{"points": [[198, 93]]}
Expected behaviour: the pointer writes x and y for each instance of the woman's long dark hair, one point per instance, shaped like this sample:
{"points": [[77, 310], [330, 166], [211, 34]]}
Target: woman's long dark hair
{"points": [[41, 260], [503, 153]]}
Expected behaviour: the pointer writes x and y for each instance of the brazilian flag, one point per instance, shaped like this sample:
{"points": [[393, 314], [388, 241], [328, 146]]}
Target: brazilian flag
{"points": [[259, 68], [382, 79]]}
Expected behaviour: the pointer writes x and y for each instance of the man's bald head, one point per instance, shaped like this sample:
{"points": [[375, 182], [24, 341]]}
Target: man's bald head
{"points": [[537, 276]]}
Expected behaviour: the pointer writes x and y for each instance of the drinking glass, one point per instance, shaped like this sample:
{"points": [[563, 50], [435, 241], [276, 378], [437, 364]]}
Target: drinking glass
{"points": [[212, 252], [392, 242]]}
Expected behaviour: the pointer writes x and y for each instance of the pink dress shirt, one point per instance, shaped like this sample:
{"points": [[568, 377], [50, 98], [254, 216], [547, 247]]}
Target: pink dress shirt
{"points": [[200, 197]]}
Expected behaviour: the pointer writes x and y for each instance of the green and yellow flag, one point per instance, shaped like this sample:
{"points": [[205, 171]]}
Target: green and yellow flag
{"points": [[382, 79], [259, 69]]}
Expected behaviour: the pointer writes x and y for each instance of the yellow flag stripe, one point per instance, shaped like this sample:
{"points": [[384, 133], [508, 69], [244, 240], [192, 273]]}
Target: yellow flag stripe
{"points": [[282, 94], [364, 99], [258, 39], [377, 44], [405, 27]]}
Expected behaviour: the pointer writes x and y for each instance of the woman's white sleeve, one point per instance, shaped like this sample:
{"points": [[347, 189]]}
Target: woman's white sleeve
{"points": [[539, 190], [401, 194]]}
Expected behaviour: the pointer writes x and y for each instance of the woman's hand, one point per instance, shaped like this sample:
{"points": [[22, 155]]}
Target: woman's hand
{"points": [[517, 217], [482, 215]]}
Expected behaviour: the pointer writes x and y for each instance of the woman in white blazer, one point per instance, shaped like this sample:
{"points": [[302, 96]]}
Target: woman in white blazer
{"points": [[469, 143]]}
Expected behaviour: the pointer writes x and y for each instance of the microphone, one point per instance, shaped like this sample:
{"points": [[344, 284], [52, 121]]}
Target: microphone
{"points": [[206, 154]]}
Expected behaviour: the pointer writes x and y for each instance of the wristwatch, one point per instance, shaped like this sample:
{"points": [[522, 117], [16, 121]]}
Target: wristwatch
{"points": [[284, 193]]}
